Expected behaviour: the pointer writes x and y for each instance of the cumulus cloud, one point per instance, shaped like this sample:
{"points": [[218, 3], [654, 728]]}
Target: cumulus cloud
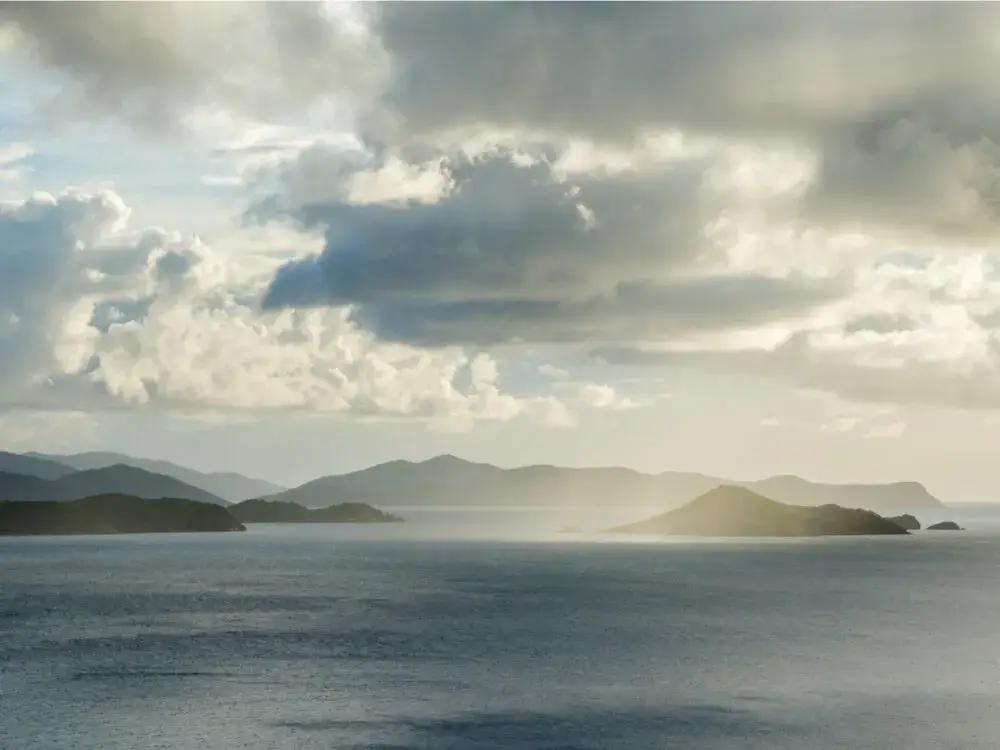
{"points": [[95, 316], [661, 263], [510, 253]]}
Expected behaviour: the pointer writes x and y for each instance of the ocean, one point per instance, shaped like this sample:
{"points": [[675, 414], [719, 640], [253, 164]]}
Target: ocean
{"points": [[487, 629]]}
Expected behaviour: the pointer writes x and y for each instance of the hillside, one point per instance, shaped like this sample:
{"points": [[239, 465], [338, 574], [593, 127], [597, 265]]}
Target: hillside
{"points": [[114, 514], [120, 480], [31, 465], [447, 480], [227, 485], [737, 511], [263, 511]]}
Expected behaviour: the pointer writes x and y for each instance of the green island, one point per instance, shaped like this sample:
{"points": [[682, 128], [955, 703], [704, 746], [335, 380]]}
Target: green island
{"points": [[730, 511]]}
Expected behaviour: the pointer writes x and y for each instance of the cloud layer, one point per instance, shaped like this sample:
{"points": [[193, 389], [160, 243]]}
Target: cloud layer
{"points": [[805, 193]]}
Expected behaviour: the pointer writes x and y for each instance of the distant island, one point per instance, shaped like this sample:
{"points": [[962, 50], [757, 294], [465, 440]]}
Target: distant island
{"points": [[451, 481], [114, 514], [907, 521], [945, 526], [730, 511], [273, 511]]}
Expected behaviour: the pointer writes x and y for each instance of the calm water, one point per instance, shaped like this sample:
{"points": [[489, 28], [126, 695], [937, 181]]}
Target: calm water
{"points": [[513, 637]]}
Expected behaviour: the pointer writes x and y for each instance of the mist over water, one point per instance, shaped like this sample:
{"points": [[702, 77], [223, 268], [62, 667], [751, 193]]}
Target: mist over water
{"points": [[489, 629]]}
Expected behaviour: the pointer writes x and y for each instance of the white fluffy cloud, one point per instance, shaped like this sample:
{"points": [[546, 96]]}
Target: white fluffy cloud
{"points": [[94, 315]]}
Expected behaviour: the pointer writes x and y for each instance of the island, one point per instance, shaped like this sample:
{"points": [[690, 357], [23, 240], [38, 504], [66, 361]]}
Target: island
{"points": [[114, 514], [945, 526], [276, 511], [907, 521], [729, 511]]}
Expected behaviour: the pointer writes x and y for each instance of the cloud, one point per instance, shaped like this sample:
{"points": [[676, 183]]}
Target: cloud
{"points": [[895, 101], [603, 396], [743, 70], [11, 157], [820, 411], [150, 65], [509, 253], [551, 371], [659, 263], [97, 317], [804, 193], [945, 353]]}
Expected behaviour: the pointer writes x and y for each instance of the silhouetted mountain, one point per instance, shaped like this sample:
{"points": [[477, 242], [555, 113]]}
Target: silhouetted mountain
{"points": [[908, 522], [227, 485], [737, 511], [788, 489], [23, 487], [447, 480], [121, 480], [114, 514], [263, 511], [35, 466]]}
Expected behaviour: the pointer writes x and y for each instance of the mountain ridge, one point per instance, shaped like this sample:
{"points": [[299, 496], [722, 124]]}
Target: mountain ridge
{"points": [[448, 480], [229, 485], [34, 465], [120, 479]]}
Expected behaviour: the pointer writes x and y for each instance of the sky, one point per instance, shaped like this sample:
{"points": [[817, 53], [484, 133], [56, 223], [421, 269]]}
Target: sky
{"points": [[297, 239]]}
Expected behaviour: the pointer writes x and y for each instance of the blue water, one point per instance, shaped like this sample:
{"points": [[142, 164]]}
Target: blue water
{"points": [[510, 637]]}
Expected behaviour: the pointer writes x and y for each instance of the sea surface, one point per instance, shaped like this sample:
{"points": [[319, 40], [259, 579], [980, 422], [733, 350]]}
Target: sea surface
{"points": [[488, 629]]}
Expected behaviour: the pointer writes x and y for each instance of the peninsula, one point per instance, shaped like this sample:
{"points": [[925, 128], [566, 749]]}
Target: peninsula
{"points": [[736, 511], [114, 514]]}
